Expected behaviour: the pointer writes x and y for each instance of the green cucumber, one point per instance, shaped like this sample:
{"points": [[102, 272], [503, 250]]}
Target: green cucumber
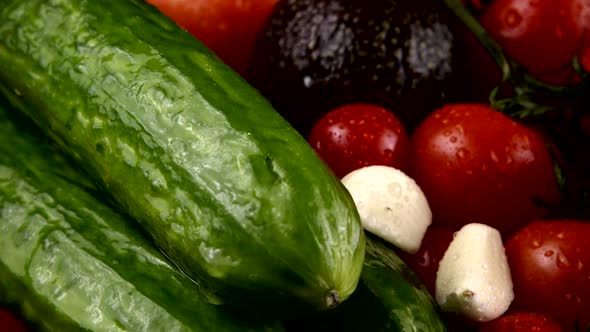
{"points": [[69, 262], [389, 297], [224, 185]]}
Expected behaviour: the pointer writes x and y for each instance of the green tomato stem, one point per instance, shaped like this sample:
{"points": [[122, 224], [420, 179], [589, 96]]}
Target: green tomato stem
{"points": [[481, 34], [511, 71]]}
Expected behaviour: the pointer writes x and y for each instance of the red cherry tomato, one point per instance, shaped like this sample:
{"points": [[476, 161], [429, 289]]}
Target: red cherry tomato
{"points": [[425, 262], [541, 35], [584, 51], [228, 27], [550, 267], [9, 322], [358, 135], [475, 164], [521, 322]]}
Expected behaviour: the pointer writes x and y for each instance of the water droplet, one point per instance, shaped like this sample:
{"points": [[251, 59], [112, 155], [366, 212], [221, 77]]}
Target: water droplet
{"points": [[425, 262], [562, 261], [360, 205], [548, 253], [411, 186], [453, 139], [536, 244], [509, 160], [512, 18], [560, 236], [463, 154], [82, 69], [559, 32], [395, 189], [494, 156]]}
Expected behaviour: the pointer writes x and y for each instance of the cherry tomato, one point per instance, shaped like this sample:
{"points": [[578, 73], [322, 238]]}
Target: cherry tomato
{"points": [[521, 322], [9, 322], [541, 35], [584, 51], [475, 164], [425, 262], [550, 267], [358, 135], [227, 27]]}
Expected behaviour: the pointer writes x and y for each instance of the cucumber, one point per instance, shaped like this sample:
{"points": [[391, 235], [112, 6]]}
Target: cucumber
{"points": [[68, 262], [389, 297], [223, 184]]}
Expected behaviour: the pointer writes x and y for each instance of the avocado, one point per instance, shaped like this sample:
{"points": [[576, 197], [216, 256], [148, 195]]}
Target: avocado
{"points": [[316, 55]]}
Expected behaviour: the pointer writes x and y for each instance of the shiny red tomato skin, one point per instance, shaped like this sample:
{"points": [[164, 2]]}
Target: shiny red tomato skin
{"points": [[358, 135], [541, 35], [475, 164], [584, 51], [425, 262], [228, 27], [9, 322], [521, 322], [550, 267]]}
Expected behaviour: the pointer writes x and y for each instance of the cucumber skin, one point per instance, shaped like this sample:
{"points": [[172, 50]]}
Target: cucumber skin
{"points": [[224, 185], [67, 258], [389, 297]]}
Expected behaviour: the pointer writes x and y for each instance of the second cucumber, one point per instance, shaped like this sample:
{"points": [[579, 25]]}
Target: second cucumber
{"points": [[224, 185], [68, 262]]}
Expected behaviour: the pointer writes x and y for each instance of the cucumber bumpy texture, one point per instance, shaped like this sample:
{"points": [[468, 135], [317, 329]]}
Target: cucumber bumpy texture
{"points": [[69, 262], [223, 184]]}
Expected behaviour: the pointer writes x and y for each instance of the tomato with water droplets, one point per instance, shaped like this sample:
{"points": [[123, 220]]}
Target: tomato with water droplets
{"points": [[475, 164], [425, 262], [358, 135], [541, 35], [521, 322], [550, 267]]}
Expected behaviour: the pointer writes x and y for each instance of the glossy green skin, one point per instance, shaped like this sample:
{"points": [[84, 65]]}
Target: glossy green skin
{"points": [[70, 263], [389, 297], [226, 187]]}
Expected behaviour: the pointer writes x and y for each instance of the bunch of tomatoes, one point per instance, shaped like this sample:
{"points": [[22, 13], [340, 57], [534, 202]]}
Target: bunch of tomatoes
{"points": [[518, 161]]}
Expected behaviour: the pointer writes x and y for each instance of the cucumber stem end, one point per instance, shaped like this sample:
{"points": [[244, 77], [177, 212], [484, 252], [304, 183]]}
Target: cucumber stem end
{"points": [[332, 299]]}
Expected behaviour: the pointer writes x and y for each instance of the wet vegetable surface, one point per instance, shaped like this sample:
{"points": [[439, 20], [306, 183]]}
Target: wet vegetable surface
{"points": [[316, 55]]}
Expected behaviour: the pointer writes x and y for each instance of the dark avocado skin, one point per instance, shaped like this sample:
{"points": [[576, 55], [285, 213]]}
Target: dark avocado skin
{"points": [[315, 55]]}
